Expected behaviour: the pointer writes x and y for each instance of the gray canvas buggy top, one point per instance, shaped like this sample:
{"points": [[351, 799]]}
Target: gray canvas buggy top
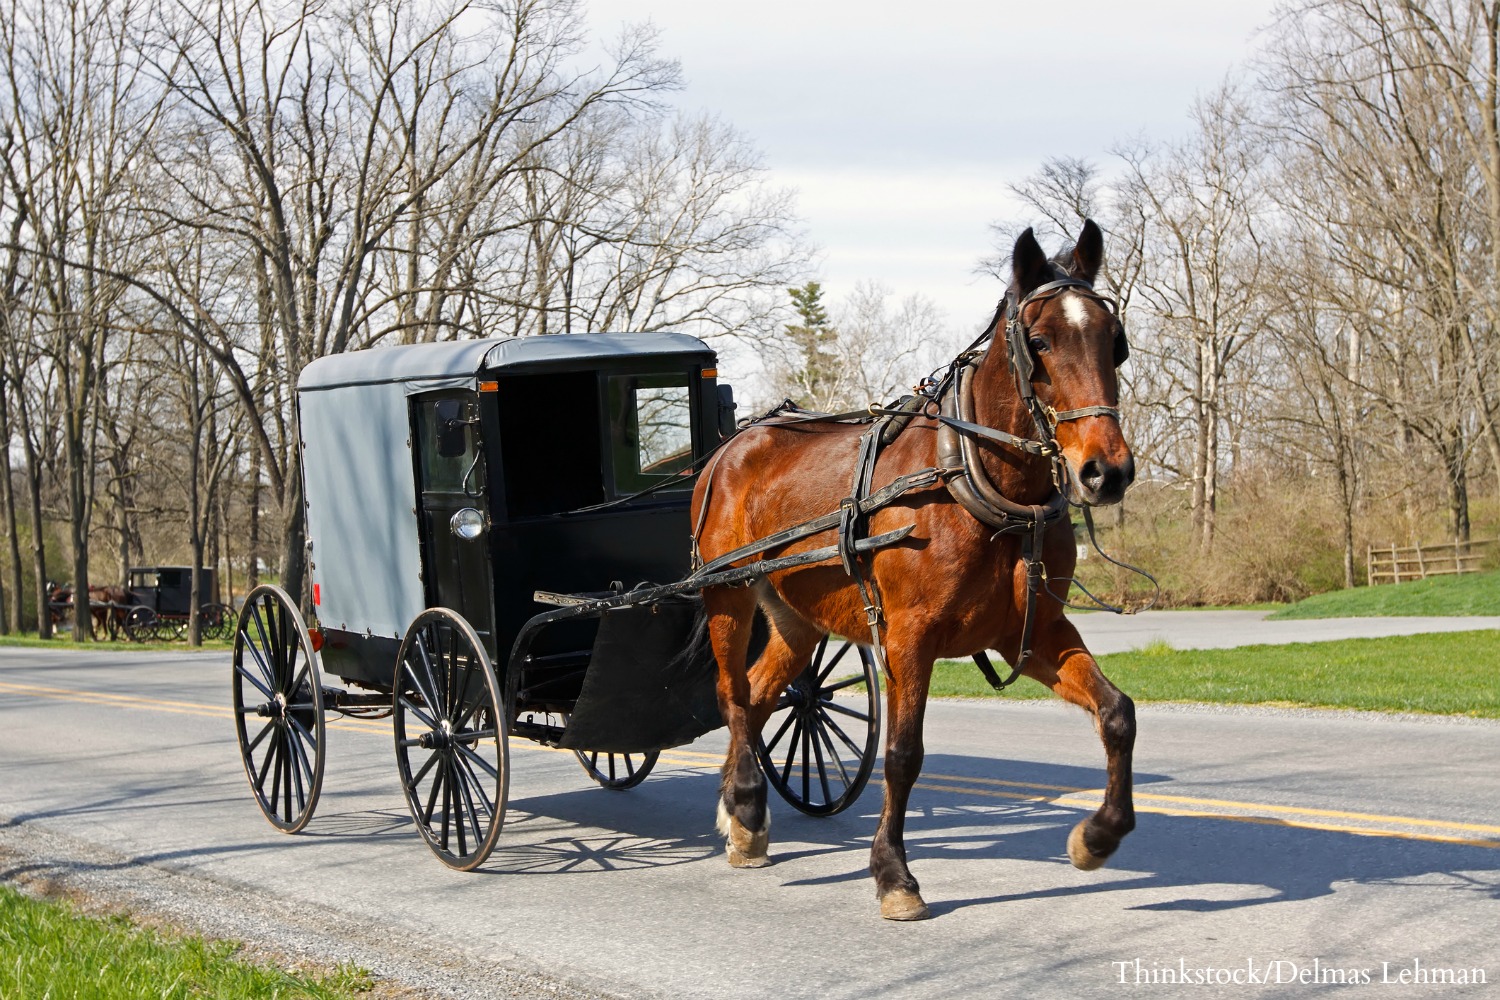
{"points": [[358, 462]]}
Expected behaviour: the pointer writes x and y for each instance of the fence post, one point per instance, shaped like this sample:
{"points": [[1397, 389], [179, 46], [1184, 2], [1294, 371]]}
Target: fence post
{"points": [[1395, 565], [1421, 562], [1369, 565]]}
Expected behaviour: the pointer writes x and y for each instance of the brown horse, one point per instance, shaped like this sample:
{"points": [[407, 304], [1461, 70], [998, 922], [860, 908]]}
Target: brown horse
{"points": [[108, 607], [954, 586]]}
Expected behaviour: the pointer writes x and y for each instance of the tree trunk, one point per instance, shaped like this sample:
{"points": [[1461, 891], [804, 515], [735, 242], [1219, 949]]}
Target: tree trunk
{"points": [[10, 614], [38, 542], [252, 541], [1458, 487], [294, 536]]}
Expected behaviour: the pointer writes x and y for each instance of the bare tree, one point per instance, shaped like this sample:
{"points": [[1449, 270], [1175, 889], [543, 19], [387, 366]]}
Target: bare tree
{"points": [[1203, 258]]}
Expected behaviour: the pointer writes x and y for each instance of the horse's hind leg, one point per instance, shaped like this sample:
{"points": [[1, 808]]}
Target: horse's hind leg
{"points": [[1062, 663], [743, 818]]}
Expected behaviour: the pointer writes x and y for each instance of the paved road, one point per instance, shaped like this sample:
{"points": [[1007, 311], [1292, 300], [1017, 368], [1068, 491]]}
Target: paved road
{"points": [[1107, 633], [1300, 838]]}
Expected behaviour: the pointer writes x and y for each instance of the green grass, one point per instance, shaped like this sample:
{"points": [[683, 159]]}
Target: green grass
{"points": [[1453, 673], [48, 949], [180, 646], [1470, 594]]}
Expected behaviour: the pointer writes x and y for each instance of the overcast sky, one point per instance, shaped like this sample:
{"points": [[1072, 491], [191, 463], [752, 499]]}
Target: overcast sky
{"points": [[899, 124]]}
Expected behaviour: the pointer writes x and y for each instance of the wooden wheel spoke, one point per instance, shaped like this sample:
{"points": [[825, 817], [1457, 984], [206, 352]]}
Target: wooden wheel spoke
{"points": [[771, 743], [832, 706], [473, 757], [830, 724], [822, 765], [265, 671], [791, 753], [302, 731], [422, 716], [833, 754], [437, 785], [270, 725], [847, 682], [470, 813], [416, 779], [484, 799]]}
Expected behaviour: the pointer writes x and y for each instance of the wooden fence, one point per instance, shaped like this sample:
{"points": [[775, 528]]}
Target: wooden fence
{"points": [[1393, 564]]}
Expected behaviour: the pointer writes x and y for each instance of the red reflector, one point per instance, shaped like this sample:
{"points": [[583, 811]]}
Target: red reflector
{"points": [[317, 594], [316, 635], [489, 387]]}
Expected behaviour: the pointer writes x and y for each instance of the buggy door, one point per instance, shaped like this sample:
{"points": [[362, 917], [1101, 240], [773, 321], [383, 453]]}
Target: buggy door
{"points": [[451, 477]]}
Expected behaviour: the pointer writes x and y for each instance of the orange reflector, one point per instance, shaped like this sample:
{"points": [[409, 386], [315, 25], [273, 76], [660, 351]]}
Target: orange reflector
{"points": [[489, 387], [317, 594], [710, 373], [316, 635]]}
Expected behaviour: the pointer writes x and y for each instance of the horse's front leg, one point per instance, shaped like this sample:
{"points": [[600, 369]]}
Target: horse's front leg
{"points": [[1061, 662], [906, 705]]}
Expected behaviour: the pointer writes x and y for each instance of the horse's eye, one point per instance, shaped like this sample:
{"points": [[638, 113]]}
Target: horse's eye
{"points": [[1038, 344]]}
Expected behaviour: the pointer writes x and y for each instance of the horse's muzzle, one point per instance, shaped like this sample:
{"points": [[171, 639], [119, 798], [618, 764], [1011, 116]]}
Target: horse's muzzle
{"points": [[1102, 483]]}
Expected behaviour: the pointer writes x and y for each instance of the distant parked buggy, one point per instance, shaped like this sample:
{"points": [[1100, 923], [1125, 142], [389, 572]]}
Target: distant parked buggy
{"points": [[156, 602]]}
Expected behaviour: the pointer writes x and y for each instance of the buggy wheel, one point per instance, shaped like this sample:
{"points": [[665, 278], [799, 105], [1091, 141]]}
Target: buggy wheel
{"points": [[215, 621], [617, 771], [817, 752], [140, 624], [451, 749], [278, 708]]}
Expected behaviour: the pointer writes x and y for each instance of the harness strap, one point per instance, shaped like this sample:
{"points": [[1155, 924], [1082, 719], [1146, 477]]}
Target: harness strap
{"points": [[876, 500], [1058, 416], [982, 661]]}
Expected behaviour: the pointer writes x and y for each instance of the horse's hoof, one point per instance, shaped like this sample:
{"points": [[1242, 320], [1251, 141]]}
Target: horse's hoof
{"points": [[903, 904], [746, 848], [739, 859], [1078, 852]]}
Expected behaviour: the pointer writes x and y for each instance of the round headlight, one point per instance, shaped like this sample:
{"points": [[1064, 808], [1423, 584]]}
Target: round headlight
{"points": [[467, 524]]}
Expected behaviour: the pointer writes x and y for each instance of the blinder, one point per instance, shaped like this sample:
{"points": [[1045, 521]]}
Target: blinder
{"points": [[1017, 332]]}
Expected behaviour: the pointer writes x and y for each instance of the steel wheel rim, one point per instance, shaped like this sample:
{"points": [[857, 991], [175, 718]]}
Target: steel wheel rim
{"points": [[446, 714], [817, 753], [616, 771], [274, 662]]}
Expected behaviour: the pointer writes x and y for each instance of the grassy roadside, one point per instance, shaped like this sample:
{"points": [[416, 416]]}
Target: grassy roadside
{"points": [[1471, 594], [1453, 673], [32, 642], [49, 949]]}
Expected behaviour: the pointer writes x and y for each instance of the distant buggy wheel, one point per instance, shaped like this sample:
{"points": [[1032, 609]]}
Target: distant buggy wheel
{"points": [[278, 708], [817, 752], [140, 624], [451, 749], [216, 621]]}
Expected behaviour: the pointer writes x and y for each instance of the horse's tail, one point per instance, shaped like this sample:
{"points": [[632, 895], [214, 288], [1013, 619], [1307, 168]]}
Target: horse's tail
{"points": [[696, 647]]}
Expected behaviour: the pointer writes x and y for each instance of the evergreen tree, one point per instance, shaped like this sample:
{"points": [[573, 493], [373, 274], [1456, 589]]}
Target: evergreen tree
{"points": [[813, 336]]}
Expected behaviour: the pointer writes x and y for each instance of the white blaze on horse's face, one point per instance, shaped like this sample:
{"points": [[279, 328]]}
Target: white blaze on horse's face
{"points": [[1075, 309]]}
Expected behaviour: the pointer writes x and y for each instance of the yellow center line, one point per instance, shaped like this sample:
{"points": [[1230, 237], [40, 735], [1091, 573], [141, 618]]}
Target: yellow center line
{"points": [[1065, 796]]}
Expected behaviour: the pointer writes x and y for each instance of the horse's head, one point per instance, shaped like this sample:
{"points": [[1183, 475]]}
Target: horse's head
{"points": [[1065, 342]]}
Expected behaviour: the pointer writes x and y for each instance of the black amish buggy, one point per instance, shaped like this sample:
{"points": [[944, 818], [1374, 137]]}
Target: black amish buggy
{"points": [[156, 603], [494, 531]]}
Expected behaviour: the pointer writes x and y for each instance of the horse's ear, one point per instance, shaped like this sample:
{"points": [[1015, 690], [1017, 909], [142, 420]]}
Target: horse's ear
{"points": [[1029, 263], [1088, 255]]}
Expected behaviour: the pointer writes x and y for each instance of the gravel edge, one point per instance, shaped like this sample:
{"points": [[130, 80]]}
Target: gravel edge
{"points": [[45, 864]]}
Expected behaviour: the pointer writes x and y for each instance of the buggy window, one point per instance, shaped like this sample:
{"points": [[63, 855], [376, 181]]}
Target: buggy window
{"points": [[549, 440], [651, 429], [447, 446]]}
